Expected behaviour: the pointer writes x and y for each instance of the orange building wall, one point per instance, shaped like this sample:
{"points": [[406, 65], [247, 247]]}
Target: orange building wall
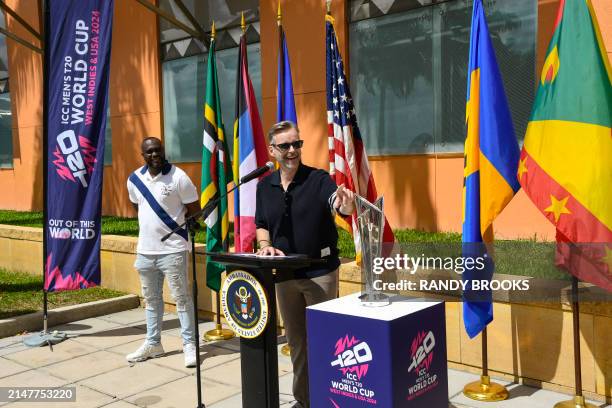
{"points": [[135, 98], [421, 191], [21, 186], [135, 106]]}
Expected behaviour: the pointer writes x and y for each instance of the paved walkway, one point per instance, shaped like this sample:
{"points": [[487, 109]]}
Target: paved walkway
{"points": [[93, 360]]}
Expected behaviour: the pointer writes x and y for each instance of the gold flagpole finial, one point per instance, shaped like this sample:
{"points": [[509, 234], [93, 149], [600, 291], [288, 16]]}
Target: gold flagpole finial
{"points": [[213, 31], [278, 14], [243, 24], [328, 16]]}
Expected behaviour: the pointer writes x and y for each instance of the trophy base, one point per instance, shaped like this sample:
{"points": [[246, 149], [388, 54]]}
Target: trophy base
{"points": [[374, 299]]}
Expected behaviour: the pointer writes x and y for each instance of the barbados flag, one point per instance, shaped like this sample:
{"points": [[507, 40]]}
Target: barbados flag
{"points": [[566, 162], [249, 153], [216, 172], [491, 158]]}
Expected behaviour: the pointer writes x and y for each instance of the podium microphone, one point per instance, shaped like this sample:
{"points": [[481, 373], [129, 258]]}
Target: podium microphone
{"points": [[257, 172]]}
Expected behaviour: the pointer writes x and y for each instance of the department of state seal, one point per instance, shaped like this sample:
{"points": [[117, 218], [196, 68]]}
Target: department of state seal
{"points": [[244, 304]]}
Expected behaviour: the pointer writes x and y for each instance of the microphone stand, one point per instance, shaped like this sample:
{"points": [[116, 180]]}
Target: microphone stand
{"points": [[189, 221], [204, 212], [192, 231], [212, 204]]}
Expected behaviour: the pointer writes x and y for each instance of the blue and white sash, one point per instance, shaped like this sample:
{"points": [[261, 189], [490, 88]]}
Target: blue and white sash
{"points": [[157, 208]]}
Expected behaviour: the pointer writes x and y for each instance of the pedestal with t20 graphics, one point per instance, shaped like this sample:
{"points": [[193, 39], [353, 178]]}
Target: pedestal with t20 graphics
{"points": [[248, 301], [392, 356]]}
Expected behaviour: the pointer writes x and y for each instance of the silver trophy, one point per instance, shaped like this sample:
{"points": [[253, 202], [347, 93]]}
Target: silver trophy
{"points": [[371, 223]]}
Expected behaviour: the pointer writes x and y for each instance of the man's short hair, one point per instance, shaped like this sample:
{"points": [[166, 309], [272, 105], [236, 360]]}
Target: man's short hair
{"points": [[281, 127], [150, 139]]}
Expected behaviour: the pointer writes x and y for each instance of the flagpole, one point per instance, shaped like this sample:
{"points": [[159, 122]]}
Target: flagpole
{"points": [[285, 350], [484, 389], [218, 333], [578, 400], [281, 65]]}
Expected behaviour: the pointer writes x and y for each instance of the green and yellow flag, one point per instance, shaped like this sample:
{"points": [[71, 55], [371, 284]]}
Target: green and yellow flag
{"points": [[566, 161], [216, 173]]}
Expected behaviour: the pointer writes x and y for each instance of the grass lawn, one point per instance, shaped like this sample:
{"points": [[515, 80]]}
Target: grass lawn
{"points": [[513, 257], [110, 224], [21, 293]]}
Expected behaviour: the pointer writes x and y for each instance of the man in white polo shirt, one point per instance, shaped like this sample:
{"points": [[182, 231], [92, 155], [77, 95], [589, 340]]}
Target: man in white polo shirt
{"points": [[163, 194]]}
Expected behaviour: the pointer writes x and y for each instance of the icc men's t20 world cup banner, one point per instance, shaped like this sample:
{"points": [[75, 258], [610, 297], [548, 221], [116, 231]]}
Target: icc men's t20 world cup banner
{"points": [[77, 64]]}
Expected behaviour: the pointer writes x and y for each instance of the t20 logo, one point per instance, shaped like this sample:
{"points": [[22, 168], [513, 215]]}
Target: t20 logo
{"points": [[352, 355], [79, 155], [421, 351]]}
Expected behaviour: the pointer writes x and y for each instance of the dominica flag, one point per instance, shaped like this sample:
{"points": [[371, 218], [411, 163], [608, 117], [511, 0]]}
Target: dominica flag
{"points": [[216, 172], [250, 152], [566, 162], [491, 158]]}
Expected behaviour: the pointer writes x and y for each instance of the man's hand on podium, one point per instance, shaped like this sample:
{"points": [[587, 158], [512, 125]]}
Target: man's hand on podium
{"points": [[270, 251]]}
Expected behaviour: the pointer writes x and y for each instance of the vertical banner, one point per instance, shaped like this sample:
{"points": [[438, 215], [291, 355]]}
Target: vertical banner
{"points": [[77, 69]]}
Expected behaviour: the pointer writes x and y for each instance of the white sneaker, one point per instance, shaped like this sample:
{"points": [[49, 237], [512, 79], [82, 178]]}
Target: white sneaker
{"points": [[190, 355], [144, 352]]}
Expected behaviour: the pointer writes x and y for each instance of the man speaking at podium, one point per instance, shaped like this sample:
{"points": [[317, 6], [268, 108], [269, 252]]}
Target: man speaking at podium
{"points": [[295, 213]]}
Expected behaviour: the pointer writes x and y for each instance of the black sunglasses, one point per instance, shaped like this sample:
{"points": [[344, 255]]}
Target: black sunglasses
{"points": [[283, 147]]}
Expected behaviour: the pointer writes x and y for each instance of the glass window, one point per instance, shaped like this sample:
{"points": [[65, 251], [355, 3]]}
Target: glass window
{"points": [[184, 69], [392, 85], [184, 97], [409, 70], [6, 133], [6, 121]]}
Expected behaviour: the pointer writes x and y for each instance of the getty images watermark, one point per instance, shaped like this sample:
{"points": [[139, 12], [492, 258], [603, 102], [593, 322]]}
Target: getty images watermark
{"points": [[508, 271], [410, 264]]}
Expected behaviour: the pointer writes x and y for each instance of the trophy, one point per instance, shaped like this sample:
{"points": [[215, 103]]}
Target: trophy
{"points": [[371, 223]]}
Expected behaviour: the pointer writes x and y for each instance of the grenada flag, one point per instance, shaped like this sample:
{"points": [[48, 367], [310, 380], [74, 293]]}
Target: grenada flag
{"points": [[566, 161]]}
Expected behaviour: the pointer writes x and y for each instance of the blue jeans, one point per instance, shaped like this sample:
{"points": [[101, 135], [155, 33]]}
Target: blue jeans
{"points": [[152, 270]]}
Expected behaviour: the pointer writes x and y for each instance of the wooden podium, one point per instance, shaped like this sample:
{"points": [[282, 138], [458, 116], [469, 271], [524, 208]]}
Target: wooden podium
{"points": [[259, 359]]}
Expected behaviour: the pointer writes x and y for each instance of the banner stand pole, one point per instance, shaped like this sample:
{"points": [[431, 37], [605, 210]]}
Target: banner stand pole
{"points": [[44, 338], [578, 400], [484, 389]]}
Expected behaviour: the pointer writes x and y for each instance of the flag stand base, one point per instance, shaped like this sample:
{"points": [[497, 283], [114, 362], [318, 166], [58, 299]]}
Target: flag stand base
{"points": [[485, 390], [577, 402], [45, 338], [286, 350], [218, 333]]}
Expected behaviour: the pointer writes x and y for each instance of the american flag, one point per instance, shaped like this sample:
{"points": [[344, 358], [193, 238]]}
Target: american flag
{"points": [[348, 160]]}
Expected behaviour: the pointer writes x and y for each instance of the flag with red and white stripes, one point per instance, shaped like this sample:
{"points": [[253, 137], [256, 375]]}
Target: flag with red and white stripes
{"points": [[348, 160]]}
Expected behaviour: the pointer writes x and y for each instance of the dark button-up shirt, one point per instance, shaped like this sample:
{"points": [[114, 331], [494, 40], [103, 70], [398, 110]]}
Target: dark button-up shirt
{"points": [[300, 219]]}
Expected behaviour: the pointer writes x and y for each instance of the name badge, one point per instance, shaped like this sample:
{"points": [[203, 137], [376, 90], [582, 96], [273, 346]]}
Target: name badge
{"points": [[325, 252]]}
